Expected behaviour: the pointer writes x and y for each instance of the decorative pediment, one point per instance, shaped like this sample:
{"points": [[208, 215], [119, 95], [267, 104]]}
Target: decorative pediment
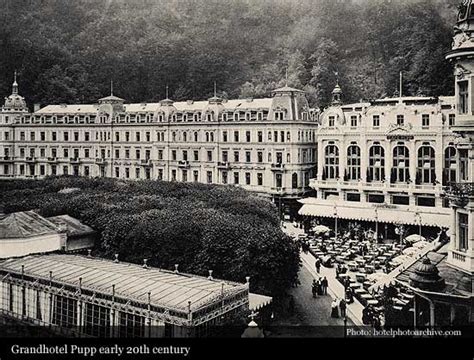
{"points": [[398, 132]]}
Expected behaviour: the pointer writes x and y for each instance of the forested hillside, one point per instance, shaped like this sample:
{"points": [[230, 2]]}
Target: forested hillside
{"points": [[68, 51]]}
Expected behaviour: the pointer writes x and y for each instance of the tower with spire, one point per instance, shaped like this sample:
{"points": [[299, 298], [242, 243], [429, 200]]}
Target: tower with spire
{"points": [[15, 102]]}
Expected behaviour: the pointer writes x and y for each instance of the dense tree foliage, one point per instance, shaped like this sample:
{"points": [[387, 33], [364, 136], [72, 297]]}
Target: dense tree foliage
{"points": [[200, 227], [68, 51]]}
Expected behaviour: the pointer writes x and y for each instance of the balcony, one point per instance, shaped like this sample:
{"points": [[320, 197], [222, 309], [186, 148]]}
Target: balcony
{"points": [[100, 160], [6, 159], [277, 167], [183, 163], [145, 162], [52, 159], [31, 159], [223, 165], [75, 160]]}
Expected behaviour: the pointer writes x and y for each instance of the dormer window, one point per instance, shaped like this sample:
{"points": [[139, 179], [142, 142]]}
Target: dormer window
{"points": [[425, 121], [247, 116], [236, 116], [196, 116], [279, 115], [376, 121], [209, 116], [259, 116], [185, 117], [354, 121]]}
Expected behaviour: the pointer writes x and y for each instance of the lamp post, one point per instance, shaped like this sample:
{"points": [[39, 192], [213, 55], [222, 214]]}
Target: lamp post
{"points": [[376, 225], [335, 227], [418, 215]]}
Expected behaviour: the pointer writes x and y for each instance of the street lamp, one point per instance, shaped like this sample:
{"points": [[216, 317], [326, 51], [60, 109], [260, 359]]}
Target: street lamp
{"points": [[335, 227], [376, 225], [418, 215]]}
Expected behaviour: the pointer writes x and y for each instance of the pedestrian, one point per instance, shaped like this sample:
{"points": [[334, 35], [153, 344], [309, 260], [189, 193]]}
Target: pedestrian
{"points": [[349, 295], [342, 307], [320, 287], [334, 310], [314, 288], [318, 265], [337, 270], [325, 285]]}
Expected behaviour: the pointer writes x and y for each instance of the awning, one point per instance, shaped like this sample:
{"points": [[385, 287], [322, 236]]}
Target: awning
{"points": [[383, 215], [257, 301]]}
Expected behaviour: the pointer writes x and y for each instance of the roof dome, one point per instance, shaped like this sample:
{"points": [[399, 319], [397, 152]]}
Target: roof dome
{"points": [[337, 89], [426, 276], [15, 101]]}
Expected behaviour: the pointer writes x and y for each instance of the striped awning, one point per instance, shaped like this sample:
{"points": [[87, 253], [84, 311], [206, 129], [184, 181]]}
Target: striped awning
{"points": [[383, 215]]}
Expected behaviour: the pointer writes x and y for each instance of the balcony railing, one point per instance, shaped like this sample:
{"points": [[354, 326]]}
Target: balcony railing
{"points": [[6, 158], [145, 162], [31, 159], [374, 185], [458, 257], [223, 165], [278, 167], [100, 160], [75, 160], [183, 163]]}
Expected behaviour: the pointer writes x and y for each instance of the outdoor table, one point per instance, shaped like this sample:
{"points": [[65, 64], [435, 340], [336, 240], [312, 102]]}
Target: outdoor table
{"points": [[372, 302], [369, 269], [354, 285], [360, 291], [360, 262], [353, 266], [360, 277]]}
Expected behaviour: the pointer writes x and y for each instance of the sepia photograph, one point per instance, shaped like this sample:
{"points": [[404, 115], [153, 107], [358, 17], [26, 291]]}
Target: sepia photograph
{"points": [[232, 169]]}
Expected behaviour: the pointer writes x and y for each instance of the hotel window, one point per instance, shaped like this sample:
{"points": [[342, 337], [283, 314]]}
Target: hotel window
{"points": [[463, 97], [425, 121], [127, 154], [452, 119], [173, 155], [127, 136], [43, 136], [260, 156], [260, 136], [259, 116], [76, 136], [42, 153], [65, 170], [42, 170], [259, 179], [160, 154], [148, 136], [53, 136], [86, 136], [400, 120], [331, 161], [463, 165], [22, 169], [209, 177], [376, 170], [22, 136], [137, 154], [86, 171], [7, 136], [86, 153], [212, 136], [450, 165], [294, 181], [288, 136], [247, 178], [278, 181], [236, 178], [248, 156], [96, 320], [269, 136], [185, 155], [236, 156], [185, 175], [224, 136], [425, 174], [463, 231], [185, 136], [64, 311], [173, 175], [353, 163], [236, 136], [196, 155], [117, 153], [66, 153], [376, 121], [209, 155], [225, 157], [53, 170], [32, 136], [137, 136], [196, 175], [331, 121], [248, 136], [353, 120], [54, 153], [76, 153], [32, 152], [224, 177], [147, 173], [147, 154], [401, 164], [160, 174]]}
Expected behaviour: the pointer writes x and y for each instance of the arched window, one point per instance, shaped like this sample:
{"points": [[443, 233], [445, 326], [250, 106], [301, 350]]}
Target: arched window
{"points": [[185, 136], [173, 136], [425, 172], [207, 137], [450, 165], [294, 180], [353, 163], [331, 162], [196, 136], [212, 136], [401, 164], [376, 169]]}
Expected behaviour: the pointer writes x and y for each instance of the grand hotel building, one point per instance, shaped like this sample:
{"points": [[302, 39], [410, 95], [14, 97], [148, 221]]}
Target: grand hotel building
{"points": [[265, 145]]}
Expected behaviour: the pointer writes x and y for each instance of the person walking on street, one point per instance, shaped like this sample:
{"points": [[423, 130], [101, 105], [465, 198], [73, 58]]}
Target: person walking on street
{"points": [[314, 288], [325, 285], [334, 310], [342, 307], [317, 264]]}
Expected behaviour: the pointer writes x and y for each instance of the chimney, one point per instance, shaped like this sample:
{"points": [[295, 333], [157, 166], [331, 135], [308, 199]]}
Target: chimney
{"points": [[36, 107]]}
